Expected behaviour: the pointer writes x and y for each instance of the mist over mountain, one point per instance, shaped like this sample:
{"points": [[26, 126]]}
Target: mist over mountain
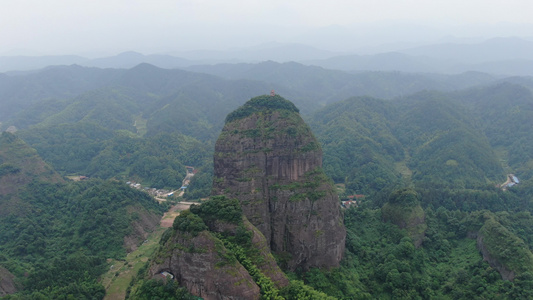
{"points": [[266, 150], [499, 56], [328, 85], [148, 87], [494, 49], [275, 51], [423, 162]]}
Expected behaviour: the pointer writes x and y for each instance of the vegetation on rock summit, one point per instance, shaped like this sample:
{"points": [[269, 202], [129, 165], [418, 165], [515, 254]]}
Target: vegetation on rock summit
{"points": [[261, 103]]}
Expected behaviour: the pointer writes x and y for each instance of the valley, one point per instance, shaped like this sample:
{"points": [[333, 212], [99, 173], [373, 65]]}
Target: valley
{"points": [[428, 152], [266, 150]]}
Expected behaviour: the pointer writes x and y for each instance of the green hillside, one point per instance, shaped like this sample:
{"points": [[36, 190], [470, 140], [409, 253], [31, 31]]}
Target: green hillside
{"points": [[446, 144], [433, 138], [359, 147], [59, 82], [452, 149], [505, 112], [324, 86], [55, 236]]}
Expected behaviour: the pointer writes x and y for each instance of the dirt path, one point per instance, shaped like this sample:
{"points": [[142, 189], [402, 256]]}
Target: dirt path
{"points": [[120, 273], [172, 213]]}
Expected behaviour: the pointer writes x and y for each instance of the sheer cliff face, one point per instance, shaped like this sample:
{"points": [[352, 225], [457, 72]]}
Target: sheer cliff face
{"points": [[202, 252], [268, 158], [203, 266], [7, 283]]}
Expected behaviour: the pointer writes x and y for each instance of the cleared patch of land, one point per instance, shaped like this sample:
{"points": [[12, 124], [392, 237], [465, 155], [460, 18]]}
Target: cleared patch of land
{"points": [[172, 213], [402, 168], [120, 273], [140, 125]]}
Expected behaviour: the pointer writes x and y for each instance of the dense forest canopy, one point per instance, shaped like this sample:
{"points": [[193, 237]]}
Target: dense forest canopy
{"points": [[55, 236], [442, 145]]}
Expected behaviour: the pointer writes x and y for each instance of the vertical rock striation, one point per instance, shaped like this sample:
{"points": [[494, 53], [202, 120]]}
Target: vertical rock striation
{"points": [[267, 157], [202, 264]]}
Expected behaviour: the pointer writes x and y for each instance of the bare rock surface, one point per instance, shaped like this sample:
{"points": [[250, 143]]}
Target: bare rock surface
{"points": [[268, 158], [141, 227], [493, 262], [203, 265], [7, 282]]}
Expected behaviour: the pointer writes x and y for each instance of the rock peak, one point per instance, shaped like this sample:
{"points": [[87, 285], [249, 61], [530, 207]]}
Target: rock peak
{"points": [[263, 103], [268, 158]]}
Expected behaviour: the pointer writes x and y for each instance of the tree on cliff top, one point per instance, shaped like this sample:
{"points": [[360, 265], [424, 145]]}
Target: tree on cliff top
{"points": [[404, 197], [261, 103]]}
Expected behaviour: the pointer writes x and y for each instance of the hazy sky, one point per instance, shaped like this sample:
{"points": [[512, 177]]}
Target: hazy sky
{"points": [[112, 26]]}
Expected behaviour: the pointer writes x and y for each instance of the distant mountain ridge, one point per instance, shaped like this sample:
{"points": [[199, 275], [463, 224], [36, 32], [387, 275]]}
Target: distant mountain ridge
{"points": [[448, 141], [495, 49], [125, 60], [502, 56], [498, 56], [328, 85], [148, 85]]}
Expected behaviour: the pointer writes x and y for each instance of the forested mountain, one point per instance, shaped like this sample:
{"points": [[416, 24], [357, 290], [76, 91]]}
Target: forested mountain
{"points": [[55, 236], [503, 56], [19, 92], [19, 166], [505, 112], [425, 155], [399, 138], [142, 85], [30, 98], [446, 145], [147, 100], [331, 85], [451, 149], [427, 137], [359, 147], [495, 49], [499, 56]]}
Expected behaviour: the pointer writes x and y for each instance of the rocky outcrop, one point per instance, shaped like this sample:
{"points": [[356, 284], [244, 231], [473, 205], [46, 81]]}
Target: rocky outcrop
{"points": [[204, 250], [7, 282], [493, 262], [143, 223], [411, 218], [495, 242], [266, 262], [203, 265], [267, 157], [403, 209], [267, 265]]}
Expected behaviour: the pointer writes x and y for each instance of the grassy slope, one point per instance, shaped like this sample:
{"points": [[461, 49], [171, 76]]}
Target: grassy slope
{"points": [[121, 272]]}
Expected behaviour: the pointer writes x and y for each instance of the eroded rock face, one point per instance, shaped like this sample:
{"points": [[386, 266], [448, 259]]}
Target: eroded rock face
{"points": [[268, 266], [271, 162], [7, 282], [493, 262], [411, 218], [141, 227], [502, 249], [201, 264]]}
